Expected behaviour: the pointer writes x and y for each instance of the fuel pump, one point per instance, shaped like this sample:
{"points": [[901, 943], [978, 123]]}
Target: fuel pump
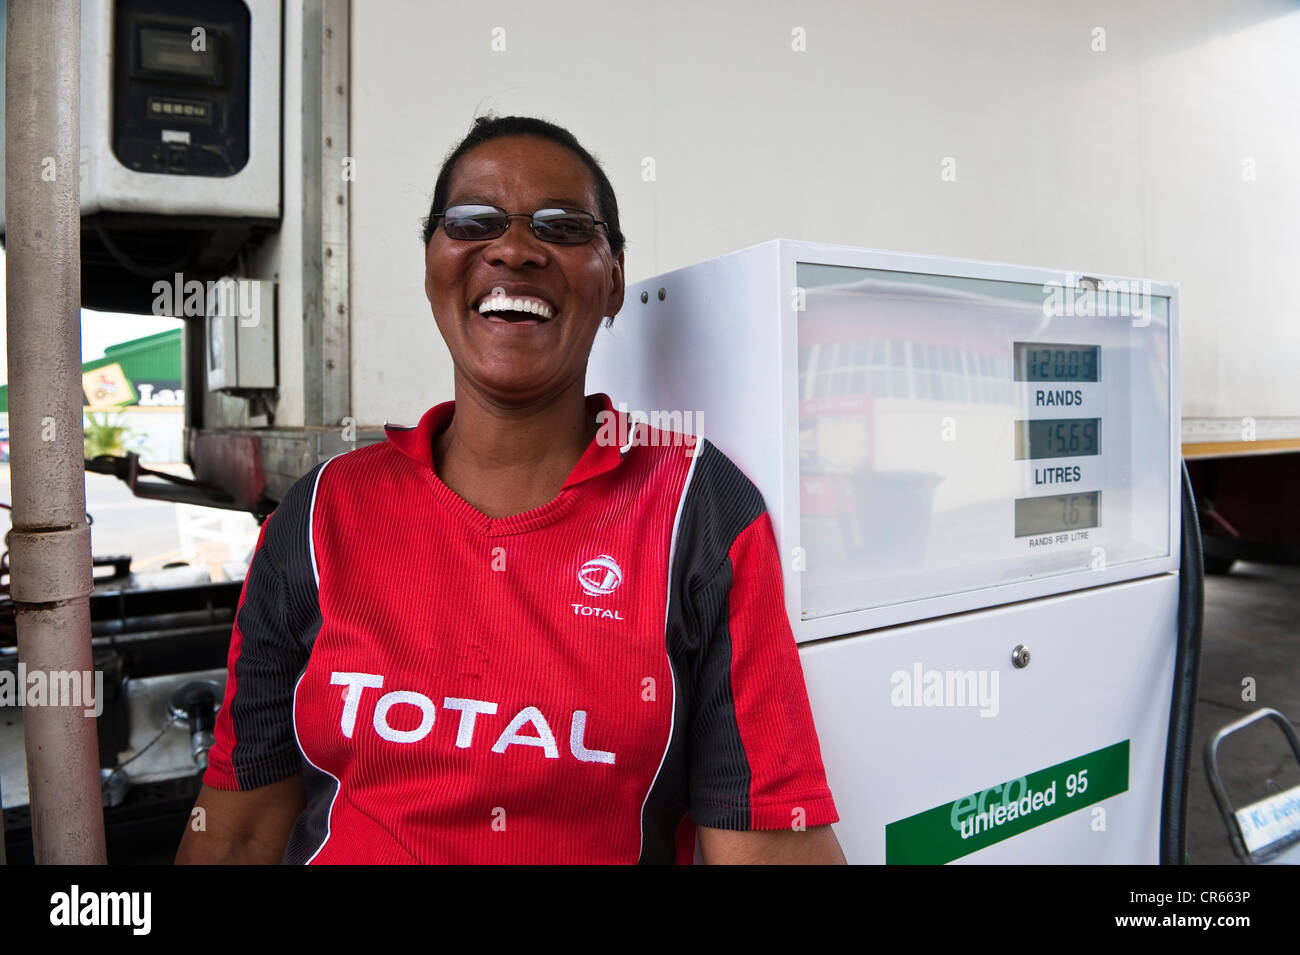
{"points": [[973, 472]]}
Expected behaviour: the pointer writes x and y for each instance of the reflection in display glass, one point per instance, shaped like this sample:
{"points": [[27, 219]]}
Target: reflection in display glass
{"points": [[1057, 437], [889, 360], [1047, 361], [1056, 513], [171, 51]]}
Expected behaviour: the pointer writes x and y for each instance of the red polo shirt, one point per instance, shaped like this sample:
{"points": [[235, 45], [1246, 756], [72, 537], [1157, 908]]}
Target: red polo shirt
{"points": [[582, 682]]}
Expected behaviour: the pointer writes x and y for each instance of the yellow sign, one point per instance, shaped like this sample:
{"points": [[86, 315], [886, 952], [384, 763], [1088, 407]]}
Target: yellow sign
{"points": [[107, 387]]}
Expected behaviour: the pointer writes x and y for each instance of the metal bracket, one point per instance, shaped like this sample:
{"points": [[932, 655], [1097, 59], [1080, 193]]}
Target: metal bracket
{"points": [[50, 567], [1221, 794]]}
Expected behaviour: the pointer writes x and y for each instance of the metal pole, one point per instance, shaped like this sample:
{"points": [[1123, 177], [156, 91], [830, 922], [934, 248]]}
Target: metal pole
{"points": [[50, 542]]}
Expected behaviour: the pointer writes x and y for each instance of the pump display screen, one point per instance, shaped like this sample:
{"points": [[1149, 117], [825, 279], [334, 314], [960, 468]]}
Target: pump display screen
{"points": [[1045, 361], [950, 434], [1057, 437], [172, 51], [1056, 513]]}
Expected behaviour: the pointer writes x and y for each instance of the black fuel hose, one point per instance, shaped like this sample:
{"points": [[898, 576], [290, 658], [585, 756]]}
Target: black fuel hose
{"points": [[1191, 603]]}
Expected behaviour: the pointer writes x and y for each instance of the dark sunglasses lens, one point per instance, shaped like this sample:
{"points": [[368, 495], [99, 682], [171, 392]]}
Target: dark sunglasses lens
{"points": [[474, 222], [565, 228]]}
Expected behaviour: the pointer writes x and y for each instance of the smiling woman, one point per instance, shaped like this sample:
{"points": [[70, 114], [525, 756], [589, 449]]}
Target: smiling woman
{"points": [[529, 371], [498, 635]]}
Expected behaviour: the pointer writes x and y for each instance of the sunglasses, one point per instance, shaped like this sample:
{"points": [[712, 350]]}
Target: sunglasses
{"points": [[560, 226]]}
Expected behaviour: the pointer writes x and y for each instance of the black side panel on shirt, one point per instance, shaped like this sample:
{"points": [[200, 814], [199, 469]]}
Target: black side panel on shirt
{"points": [[312, 828], [278, 623], [705, 772]]}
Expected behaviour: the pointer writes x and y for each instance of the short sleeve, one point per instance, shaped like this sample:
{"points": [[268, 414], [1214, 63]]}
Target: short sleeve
{"points": [[276, 620], [755, 762]]}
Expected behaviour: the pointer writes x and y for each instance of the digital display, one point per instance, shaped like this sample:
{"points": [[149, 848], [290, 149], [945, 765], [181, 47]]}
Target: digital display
{"points": [[1056, 513], [172, 51], [1045, 361], [194, 110], [1057, 437]]}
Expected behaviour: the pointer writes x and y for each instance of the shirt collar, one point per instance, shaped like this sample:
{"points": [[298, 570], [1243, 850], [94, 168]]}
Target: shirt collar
{"points": [[601, 455]]}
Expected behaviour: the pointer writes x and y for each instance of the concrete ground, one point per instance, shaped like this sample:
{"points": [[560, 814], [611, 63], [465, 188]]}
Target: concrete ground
{"points": [[1252, 631]]}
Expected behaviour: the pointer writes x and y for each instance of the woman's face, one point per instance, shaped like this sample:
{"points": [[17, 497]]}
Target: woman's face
{"points": [[512, 363]]}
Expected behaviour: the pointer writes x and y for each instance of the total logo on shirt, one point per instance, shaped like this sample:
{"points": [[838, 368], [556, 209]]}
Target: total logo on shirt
{"points": [[599, 577], [357, 683]]}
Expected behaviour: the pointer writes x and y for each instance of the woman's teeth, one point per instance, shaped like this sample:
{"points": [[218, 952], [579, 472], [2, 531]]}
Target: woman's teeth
{"points": [[503, 303]]}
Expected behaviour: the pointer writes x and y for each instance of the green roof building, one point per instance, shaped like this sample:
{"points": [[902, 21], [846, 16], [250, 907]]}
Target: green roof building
{"points": [[151, 367]]}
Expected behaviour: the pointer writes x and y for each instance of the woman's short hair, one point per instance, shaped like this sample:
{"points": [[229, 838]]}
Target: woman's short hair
{"points": [[490, 127]]}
